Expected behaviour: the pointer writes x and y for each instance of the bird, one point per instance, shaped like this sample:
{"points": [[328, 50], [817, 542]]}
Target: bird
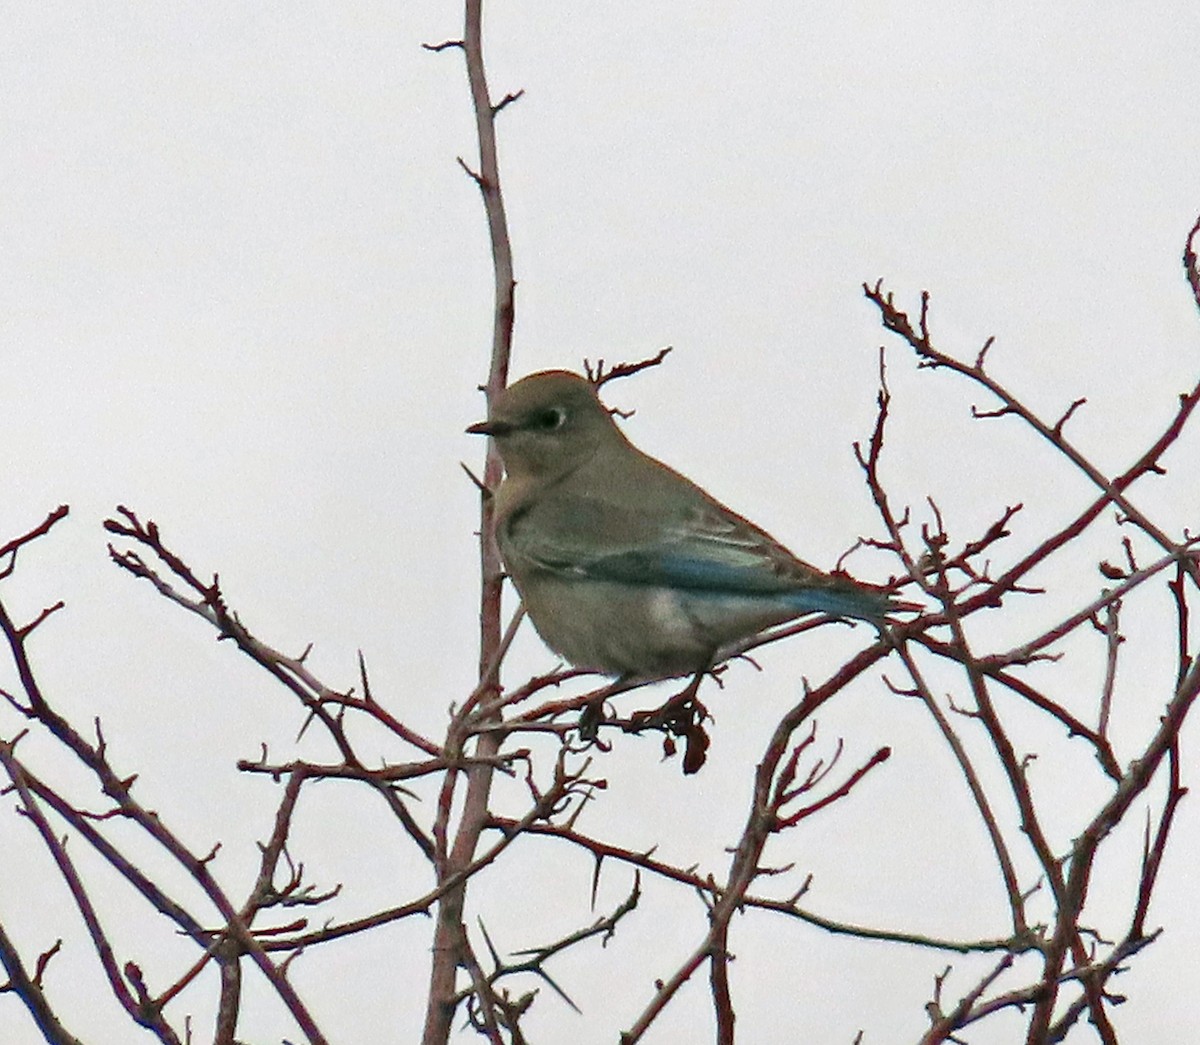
{"points": [[624, 566]]}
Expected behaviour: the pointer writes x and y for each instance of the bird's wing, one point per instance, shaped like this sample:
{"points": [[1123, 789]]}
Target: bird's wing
{"points": [[704, 548]]}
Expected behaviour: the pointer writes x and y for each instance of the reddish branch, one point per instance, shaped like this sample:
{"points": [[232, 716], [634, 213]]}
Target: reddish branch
{"points": [[919, 339], [599, 374], [31, 992], [455, 847], [1070, 886], [145, 1010]]}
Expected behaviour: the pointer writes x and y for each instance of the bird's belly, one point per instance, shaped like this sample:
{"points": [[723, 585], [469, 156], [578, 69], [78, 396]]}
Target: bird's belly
{"points": [[641, 630]]}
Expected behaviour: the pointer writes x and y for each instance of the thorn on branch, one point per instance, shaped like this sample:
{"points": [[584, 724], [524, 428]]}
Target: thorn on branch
{"points": [[1035, 888], [900, 691], [475, 176], [937, 538], [1058, 426], [25, 631], [507, 100], [366, 684], [979, 359], [480, 485], [43, 960], [445, 45], [12, 547], [985, 414], [1190, 265], [799, 894], [958, 709], [133, 973], [770, 872], [1025, 589]]}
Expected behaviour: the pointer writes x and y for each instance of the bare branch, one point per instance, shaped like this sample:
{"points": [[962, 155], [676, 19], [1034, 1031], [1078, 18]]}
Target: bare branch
{"points": [[1190, 267], [600, 375]]}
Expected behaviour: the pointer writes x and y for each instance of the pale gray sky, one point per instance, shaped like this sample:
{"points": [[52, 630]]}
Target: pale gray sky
{"points": [[246, 292]]}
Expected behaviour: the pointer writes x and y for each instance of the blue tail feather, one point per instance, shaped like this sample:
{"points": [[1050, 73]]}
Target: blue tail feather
{"points": [[843, 602]]}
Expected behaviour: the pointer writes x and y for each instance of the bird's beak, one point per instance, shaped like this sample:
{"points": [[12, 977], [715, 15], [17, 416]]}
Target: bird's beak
{"points": [[490, 428]]}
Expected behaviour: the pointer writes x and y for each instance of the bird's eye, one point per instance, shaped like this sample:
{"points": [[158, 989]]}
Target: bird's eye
{"points": [[549, 420]]}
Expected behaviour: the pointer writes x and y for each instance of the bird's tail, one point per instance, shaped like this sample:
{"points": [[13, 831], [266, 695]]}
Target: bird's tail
{"points": [[848, 600]]}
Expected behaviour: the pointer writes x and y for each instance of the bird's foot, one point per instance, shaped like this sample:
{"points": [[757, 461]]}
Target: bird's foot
{"points": [[683, 715], [590, 719]]}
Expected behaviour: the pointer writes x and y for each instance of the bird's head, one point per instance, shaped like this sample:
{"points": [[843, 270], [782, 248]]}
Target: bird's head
{"points": [[547, 424]]}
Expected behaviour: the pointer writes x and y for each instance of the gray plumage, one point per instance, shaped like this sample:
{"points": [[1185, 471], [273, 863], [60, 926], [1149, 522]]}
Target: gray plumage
{"points": [[625, 566]]}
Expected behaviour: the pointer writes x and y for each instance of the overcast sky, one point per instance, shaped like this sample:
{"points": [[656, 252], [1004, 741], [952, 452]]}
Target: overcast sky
{"points": [[246, 291]]}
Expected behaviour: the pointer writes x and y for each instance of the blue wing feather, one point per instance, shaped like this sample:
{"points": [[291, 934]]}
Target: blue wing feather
{"points": [[673, 567], [709, 551]]}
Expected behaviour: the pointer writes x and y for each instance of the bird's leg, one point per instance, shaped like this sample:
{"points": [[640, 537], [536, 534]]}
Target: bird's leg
{"points": [[674, 712], [682, 715], [687, 696], [590, 718], [592, 715]]}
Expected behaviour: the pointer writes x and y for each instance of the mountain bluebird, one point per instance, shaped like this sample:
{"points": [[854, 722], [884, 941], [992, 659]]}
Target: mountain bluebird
{"points": [[624, 566]]}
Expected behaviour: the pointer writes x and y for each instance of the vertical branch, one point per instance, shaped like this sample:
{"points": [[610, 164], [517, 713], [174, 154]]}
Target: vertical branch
{"points": [[488, 180], [449, 948]]}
